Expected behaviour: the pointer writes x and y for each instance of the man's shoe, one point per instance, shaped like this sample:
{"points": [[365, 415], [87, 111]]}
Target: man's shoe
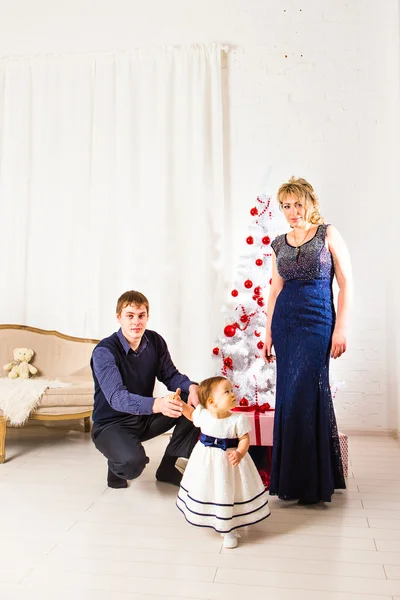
{"points": [[167, 473], [113, 481], [181, 464]]}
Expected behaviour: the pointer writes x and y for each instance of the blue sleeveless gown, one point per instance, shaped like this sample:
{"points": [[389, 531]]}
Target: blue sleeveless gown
{"points": [[306, 458]]}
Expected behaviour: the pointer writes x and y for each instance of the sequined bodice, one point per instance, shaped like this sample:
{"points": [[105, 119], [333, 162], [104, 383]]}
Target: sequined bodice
{"points": [[311, 261]]}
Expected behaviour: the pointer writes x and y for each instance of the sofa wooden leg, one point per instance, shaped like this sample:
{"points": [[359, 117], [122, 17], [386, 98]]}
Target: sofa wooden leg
{"points": [[3, 431], [86, 424]]}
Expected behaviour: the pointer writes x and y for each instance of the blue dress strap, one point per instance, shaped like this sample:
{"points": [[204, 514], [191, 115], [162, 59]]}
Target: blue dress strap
{"points": [[322, 229]]}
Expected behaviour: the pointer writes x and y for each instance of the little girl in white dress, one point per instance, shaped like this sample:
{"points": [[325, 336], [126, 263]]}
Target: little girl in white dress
{"points": [[221, 487]]}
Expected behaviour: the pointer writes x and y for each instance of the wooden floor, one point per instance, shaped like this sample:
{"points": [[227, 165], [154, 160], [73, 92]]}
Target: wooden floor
{"points": [[65, 535]]}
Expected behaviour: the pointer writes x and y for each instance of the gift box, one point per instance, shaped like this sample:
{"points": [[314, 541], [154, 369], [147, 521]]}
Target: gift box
{"points": [[261, 419], [344, 449]]}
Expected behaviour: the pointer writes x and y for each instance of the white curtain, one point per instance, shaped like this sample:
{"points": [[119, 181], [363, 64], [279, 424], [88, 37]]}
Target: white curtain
{"points": [[111, 178]]}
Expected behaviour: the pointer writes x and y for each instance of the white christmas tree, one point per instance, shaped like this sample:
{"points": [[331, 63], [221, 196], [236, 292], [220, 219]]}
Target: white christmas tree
{"points": [[238, 349]]}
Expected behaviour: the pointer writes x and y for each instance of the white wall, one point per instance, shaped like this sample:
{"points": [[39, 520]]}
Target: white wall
{"points": [[312, 91]]}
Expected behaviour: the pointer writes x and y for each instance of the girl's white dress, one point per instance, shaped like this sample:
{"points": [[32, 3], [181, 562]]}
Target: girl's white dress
{"points": [[213, 493]]}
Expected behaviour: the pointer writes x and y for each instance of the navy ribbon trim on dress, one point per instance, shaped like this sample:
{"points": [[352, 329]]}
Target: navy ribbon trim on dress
{"points": [[222, 443]]}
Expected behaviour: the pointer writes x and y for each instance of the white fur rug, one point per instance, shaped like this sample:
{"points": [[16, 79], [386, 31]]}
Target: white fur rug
{"points": [[18, 397]]}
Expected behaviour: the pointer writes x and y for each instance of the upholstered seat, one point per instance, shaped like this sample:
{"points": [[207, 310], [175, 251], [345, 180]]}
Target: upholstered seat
{"points": [[57, 356]]}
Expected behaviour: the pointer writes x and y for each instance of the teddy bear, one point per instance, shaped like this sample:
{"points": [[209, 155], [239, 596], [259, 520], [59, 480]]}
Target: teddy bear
{"points": [[20, 367]]}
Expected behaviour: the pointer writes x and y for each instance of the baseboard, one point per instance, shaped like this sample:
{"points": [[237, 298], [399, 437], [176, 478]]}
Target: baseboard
{"points": [[388, 433]]}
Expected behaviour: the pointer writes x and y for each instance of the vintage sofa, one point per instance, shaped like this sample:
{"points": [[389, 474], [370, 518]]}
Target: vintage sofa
{"points": [[57, 356]]}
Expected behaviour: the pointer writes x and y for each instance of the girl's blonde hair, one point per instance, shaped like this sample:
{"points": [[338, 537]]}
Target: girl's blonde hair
{"points": [[301, 189], [206, 388]]}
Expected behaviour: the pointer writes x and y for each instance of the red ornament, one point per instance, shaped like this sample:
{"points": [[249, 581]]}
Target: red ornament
{"points": [[254, 211], [250, 240], [257, 290], [244, 318], [228, 362], [260, 345], [265, 478], [234, 293], [266, 240], [216, 351], [257, 333], [230, 330], [260, 302], [259, 262], [270, 281], [243, 402], [255, 297], [248, 284]]}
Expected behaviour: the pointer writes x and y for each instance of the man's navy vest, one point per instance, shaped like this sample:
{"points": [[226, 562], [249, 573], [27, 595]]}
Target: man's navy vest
{"points": [[138, 373]]}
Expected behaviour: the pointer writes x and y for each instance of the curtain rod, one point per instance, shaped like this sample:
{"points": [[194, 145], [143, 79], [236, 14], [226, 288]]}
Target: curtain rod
{"points": [[222, 47]]}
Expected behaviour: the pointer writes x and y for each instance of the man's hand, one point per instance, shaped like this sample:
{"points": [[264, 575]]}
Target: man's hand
{"points": [[234, 457], [193, 399], [170, 405]]}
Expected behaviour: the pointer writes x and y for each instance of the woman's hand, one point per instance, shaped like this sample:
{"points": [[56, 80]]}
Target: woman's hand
{"points": [[234, 457], [339, 343], [267, 350]]}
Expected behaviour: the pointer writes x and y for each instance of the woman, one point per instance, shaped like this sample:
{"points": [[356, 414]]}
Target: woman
{"points": [[305, 332]]}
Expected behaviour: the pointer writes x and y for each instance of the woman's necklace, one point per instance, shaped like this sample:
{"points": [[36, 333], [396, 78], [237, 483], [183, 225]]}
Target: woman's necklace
{"points": [[298, 245]]}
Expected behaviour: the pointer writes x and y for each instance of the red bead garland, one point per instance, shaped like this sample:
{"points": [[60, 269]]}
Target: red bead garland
{"points": [[256, 390]]}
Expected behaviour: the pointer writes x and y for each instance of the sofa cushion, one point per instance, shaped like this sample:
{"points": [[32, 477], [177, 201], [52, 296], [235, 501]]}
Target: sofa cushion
{"points": [[72, 399], [80, 392]]}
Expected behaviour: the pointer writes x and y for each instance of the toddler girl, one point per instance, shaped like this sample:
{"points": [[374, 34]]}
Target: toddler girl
{"points": [[221, 487]]}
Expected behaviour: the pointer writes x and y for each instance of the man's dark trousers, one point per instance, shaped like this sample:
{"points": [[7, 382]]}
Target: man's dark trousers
{"points": [[121, 443]]}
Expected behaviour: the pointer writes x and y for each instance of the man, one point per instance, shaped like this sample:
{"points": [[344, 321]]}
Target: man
{"points": [[125, 367]]}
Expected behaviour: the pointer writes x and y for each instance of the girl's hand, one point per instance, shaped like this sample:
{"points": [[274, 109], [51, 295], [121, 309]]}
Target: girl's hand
{"points": [[234, 457], [339, 344], [267, 350]]}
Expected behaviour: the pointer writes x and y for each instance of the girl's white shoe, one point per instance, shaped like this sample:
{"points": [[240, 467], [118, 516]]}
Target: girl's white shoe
{"points": [[231, 539]]}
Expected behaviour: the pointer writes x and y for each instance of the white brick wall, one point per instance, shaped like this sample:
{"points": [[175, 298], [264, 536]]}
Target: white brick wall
{"points": [[312, 91]]}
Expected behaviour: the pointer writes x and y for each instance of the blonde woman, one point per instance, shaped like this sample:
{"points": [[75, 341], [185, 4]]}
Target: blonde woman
{"points": [[305, 332]]}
